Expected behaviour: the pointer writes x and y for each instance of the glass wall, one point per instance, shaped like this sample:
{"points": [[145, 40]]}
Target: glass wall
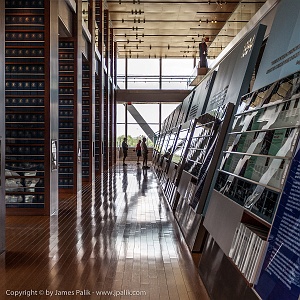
{"points": [[149, 74], [175, 73], [145, 73], [121, 126], [142, 73], [151, 115], [121, 73]]}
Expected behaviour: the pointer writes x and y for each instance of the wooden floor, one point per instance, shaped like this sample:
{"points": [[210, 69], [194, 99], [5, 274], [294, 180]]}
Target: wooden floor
{"points": [[119, 237]]}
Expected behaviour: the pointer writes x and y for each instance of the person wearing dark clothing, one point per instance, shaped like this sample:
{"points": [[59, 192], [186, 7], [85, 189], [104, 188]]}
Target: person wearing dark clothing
{"points": [[145, 154], [125, 150], [203, 54], [138, 150]]}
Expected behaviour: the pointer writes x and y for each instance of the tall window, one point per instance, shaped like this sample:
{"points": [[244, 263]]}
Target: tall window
{"points": [[150, 113], [175, 73], [145, 73]]}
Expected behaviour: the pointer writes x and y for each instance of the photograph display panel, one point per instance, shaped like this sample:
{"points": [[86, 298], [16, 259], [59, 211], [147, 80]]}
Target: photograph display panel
{"points": [[205, 132], [168, 143], [261, 145], [181, 142]]}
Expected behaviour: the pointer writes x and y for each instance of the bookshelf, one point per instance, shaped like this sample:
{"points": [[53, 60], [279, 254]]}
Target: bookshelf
{"points": [[86, 119], [99, 82], [31, 112], [98, 120], [2, 131], [106, 91], [67, 115]]}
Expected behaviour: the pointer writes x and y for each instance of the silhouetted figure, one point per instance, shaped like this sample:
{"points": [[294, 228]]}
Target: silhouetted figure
{"points": [[145, 153], [125, 150], [203, 54], [138, 150]]}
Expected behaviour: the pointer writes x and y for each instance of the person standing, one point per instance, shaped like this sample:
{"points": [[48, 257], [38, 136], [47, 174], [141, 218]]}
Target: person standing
{"points": [[138, 150], [145, 154], [203, 54], [125, 150]]}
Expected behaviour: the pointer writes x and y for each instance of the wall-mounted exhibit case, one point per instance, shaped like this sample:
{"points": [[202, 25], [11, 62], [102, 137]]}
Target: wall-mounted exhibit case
{"points": [[160, 143], [176, 160], [201, 159], [31, 106], [261, 146], [258, 172], [256, 201], [163, 148], [196, 183]]}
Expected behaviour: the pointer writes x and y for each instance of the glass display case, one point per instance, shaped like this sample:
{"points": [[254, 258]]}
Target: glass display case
{"points": [[177, 159], [182, 142], [202, 152], [166, 152], [261, 145], [203, 140]]}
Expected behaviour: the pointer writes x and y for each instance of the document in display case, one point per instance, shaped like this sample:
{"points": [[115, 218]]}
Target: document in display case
{"points": [[176, 161], [199, 167], [182, 142], [206, 144], [166, 154]]}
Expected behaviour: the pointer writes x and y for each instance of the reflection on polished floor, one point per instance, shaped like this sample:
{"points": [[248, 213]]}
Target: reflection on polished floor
{"points": [[119, 237]]}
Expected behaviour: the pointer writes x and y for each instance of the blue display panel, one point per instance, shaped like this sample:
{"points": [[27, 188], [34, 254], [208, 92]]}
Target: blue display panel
{"points": [[282, 54], [280, 276]]}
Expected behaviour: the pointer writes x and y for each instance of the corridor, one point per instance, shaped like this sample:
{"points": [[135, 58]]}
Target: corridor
{"points": [[118, 241]]}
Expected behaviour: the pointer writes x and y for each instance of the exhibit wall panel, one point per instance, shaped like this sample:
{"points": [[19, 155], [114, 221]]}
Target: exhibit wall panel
{"points": [[186, 105], [282, 54], [221, 220], [235, 71], [280, 276]]}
